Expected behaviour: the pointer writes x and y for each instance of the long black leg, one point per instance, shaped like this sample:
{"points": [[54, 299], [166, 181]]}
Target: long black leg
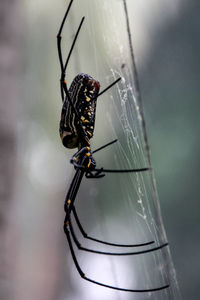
{"points": [[73, 44], [85, 235], [81, 273], [73, 189], [127, 290], [86, 149], [69, 205], [64, 67], [59, 37], [78, 153], [96, 173], [102, 170], [122, 171], [104, 146], [101, 93], [67, 233], [68, 228], [80, 247], [70, 198]]}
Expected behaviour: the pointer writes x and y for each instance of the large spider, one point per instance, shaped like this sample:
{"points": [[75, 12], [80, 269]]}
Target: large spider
{"points": [[76, 129]]}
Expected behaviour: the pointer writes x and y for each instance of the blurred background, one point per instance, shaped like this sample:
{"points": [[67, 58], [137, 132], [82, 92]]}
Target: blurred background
{"points": [[34, 165]]}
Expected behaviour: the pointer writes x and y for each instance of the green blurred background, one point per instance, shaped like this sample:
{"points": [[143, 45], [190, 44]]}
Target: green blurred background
{"points": [[166, 45]]}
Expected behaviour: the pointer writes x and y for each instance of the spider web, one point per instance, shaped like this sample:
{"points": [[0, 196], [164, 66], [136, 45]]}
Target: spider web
{"points": [[120, 208]]}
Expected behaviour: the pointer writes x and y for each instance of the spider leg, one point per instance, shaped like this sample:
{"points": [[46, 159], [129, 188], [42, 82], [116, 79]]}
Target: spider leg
{"points": [[89, 173], [73, 44], [77, 154], [101, 93], [59, 37], [95, 175], [88, 168], [85, 235], [68, 229], [81, 273], [80, 247], [87, 149], [97, 172], [67, 233], [73, 189], [69, 205], [127, 290], [104, 146], [63, 67], [123, 170]]}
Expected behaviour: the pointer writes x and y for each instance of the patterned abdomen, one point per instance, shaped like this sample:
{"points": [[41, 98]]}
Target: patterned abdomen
{"points": [[83, 92]]}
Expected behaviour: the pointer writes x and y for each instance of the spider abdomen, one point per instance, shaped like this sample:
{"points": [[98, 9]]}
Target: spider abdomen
{"points": [[83, 93]]}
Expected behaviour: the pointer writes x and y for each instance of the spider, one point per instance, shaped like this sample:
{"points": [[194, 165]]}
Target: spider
{"points": [[76, 129]]}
